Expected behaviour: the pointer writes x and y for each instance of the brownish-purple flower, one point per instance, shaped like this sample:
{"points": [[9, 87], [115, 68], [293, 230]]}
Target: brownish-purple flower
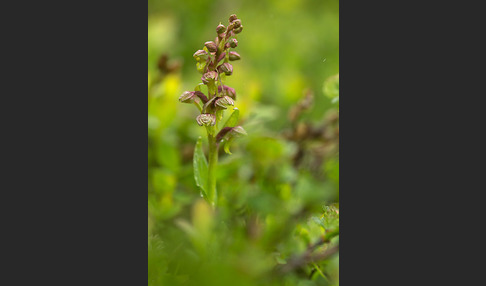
{"points": [[234, 56], [211, 46], [209, 76], [206, 119], [225, 102], [187, 97], [227, 68]]}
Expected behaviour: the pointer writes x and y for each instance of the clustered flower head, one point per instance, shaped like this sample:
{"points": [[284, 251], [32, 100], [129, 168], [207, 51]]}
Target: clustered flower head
{"points": [[213, 62]]}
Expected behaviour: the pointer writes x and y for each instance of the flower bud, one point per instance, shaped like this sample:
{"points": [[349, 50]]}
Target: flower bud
{"points": [[220, 28], [224, 102], [206, 119], [238, 30], [237, 23], [234, 56], [229, 91], [227, 68], [232, 18], [212, 75], [201, 55], [233, 43], [187, 97], [211, 46]]}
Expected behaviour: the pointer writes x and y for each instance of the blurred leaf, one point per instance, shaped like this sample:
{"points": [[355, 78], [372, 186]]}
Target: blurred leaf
{"points": [[266, 150], [331, 168], [165, 105], [200, 166], [164, 181], [330, 217], [168, 155], [331, 87], [202, 218], [157, 261]]}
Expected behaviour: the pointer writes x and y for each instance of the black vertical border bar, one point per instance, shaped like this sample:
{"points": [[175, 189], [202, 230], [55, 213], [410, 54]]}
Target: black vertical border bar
{"points": [[376, 69], [97, 143], [74, 120], [120, 129], [410, 127]]}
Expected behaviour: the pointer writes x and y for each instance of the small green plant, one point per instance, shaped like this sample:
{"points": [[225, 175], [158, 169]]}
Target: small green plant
{"points": [[213, 62]]}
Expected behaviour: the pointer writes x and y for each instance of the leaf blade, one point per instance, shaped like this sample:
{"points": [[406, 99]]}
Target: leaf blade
{"points": [[227, 144], [200, 165], [233, 119]]}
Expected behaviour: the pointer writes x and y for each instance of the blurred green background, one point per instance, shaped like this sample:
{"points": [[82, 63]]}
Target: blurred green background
{"points": [[280, 188]]}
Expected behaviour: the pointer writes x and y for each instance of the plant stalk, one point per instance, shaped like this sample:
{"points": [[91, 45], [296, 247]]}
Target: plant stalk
{"points": [[213, 153], [212, 165]]}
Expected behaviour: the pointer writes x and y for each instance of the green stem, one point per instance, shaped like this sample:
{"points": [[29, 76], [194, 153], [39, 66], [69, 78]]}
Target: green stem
{"points": [[213, 145], [212, 164], [213, 152]]}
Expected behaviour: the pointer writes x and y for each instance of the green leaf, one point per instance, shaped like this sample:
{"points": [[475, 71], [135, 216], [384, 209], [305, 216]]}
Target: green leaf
{"points": [[231, 122], [168, 155], [227, 144], [200, 167], [233, 119], [198, 87]]}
